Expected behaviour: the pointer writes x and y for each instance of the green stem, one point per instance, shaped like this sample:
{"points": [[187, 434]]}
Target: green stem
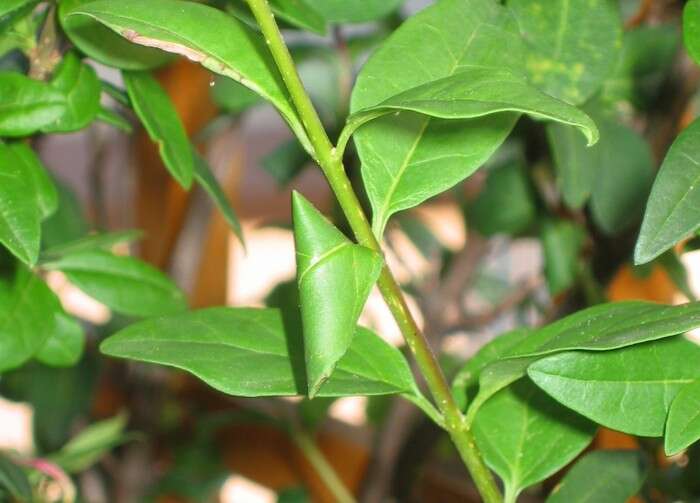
{"points": [[330, 161], [330, 478]]}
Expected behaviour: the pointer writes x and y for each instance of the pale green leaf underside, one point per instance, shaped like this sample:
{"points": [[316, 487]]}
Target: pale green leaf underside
{"points": [[195, 31], [525, 436], [247, 352], [605, 476], [683, 426], [673, 209], [335, 277], [628, 389]]}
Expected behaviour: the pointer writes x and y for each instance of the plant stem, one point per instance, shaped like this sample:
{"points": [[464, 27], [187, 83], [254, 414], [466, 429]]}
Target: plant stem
{"points": [[330, 161], [330, 478]]}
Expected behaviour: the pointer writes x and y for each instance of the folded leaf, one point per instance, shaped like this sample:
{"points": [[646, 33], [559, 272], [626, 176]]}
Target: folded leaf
{"points": [[683, 426], [335, 277], [79, 84], [573, 44], [27, 310], [672, 211], [610, 326], [175, 26], [354, 11], [37, 176], [65, 344], [525, 436], [604, 476], [124, 284], [158, 115], [102, 44], [250, 352], [407, 158], [27, 105], [20, 209], [629, 389], [205, 178], [691, 29], [476, 91]]}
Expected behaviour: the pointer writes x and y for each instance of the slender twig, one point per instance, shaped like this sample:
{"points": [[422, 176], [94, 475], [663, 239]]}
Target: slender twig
{"points": [[315, 457], [332, 167]]}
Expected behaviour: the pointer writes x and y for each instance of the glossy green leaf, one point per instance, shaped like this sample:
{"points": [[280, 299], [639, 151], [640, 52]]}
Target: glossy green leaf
{"points": [[354, 11], [204, 177], [105, 241], [104, 46], [407, 157], [629, 389], [506, 204], [465, 381], [672, 211], [623, 178], [27, 310], [124, 284], [81, 88], [27, 105], [10, 6], [604, 476], [20, 210], [109, 116], [691, 29], [91, 444], [37, 176], [13, 481], [299, 13], [167, 24], [683, 424], [158, 115], [561, 245], [335, 277], [476, 91], [65, 344], [251, 352], [525, 436], [610, 326], [573, 44]]}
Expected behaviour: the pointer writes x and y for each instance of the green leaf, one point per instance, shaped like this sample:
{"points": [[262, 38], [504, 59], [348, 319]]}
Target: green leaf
{"points": [[506, 204], [610, 326], [27, 105], [573, 44], [232, 97], [285, 162], [81, 87], [623, 178], [14, 481], [525, 436], [576, 164], [109, 116], [65, 344], [476, 91], [205, 178], [629, 389], [171, 25], [36, 174], [158, 115], [251, 352], [27, 310], [672, 211], [407, 158], [683, 424], [467, 378], [20, 204], [561, 245], [299, 13], [691, 29], [124, 284], [335, 277], [602, 477], [91, 444], [68, 222], [105, 241], [104, 46], [10, 6], [354, 11]]}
